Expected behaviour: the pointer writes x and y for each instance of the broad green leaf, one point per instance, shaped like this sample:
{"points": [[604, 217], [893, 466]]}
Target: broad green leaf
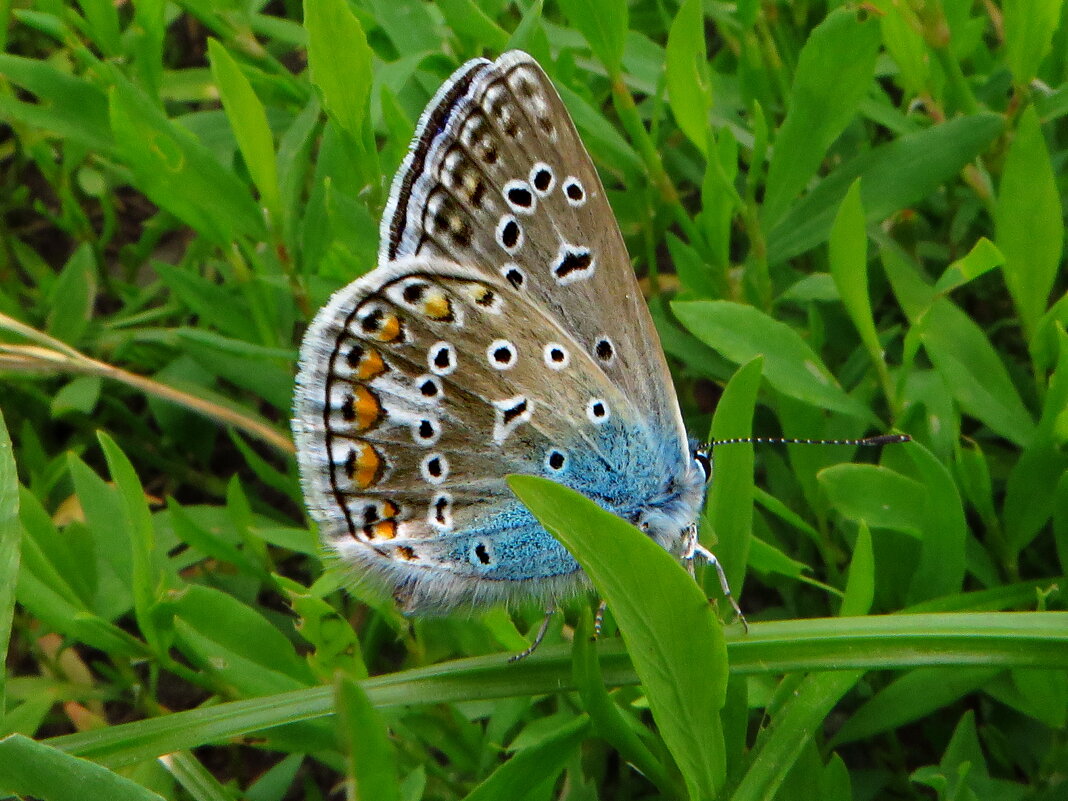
{"points": [[877, 496], [973, 371], [340, 62], [1030, 221], [686, 70], [730, 498], [670, 631], [604, 24], [849, 268], [981, 259], [911, 697], [532, 767], [29, 768], [834, 73], [10, 547], [741, 333], [372, 762], [860, 581], [894, 175], [178, 173], [249, 122], [941, 568], [1029, 29]]}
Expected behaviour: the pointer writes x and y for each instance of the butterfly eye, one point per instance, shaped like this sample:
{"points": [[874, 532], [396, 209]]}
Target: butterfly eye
{"points": [[704, 463]]}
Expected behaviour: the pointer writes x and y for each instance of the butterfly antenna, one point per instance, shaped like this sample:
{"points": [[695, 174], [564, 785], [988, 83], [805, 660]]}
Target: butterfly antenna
{"points": [[882, 439]]}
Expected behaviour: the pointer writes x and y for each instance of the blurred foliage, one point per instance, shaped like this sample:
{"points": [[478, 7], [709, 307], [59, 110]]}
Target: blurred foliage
{"points": [[848, 218]]}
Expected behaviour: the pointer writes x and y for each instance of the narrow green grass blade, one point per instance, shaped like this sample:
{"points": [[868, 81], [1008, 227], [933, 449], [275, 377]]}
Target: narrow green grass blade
{"points": [[248, 119], [340, 61], [686, 71], [372, 762], [666, 622], [791, 730], [10, 546], [915, 695], [604, 24], [608, 721], [178, 173], [860, 581], [1030, 221], [886, 642], [532, 767], [730, 497], [29, 768], [146, 581]]}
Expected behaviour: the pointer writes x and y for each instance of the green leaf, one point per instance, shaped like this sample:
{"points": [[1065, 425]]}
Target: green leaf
{"points": [[686, 70], [340, 62], [1006, 639], [860, 581], [1029, 220], [10, 547], [604, 24], [894, 175], [470, 21], [533, 767], [730, 498], [69, 107], [790, 731], [670, 632], [741, 333], [834, 73], [981, 259], [973, 371], [609, 723], [146, 579], [911, 697], [179, 174], [862, 492], [249, 122], [73, 296], [372, 762], [1029, 29], [849, 268], [941, 568], [28, 768]]}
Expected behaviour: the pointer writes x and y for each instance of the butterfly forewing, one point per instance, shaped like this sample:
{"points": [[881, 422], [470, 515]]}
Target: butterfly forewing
{"points": [[499, 175]]}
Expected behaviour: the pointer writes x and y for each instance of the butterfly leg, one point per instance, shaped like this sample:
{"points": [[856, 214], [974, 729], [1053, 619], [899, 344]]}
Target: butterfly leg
{"points": [[598, 619], [537, 637], [710, 558]]}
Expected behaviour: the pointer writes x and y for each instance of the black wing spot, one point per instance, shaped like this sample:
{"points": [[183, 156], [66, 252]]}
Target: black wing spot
{"points": [[515, 411], [521, 197], [482, 553]]}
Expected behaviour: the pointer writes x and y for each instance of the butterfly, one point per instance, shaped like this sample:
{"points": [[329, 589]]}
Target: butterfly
{"points": [[503, 331]]}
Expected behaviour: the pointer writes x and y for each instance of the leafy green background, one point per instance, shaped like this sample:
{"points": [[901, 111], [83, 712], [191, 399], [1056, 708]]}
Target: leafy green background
{"points": [[848, 219]]}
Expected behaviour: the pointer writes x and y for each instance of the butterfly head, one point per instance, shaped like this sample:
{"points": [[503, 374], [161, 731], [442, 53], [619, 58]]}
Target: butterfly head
{"points": [[669, 516]]}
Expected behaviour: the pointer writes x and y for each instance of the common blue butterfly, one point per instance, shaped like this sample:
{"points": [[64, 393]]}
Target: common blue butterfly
{"points": [[503, 331]]}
